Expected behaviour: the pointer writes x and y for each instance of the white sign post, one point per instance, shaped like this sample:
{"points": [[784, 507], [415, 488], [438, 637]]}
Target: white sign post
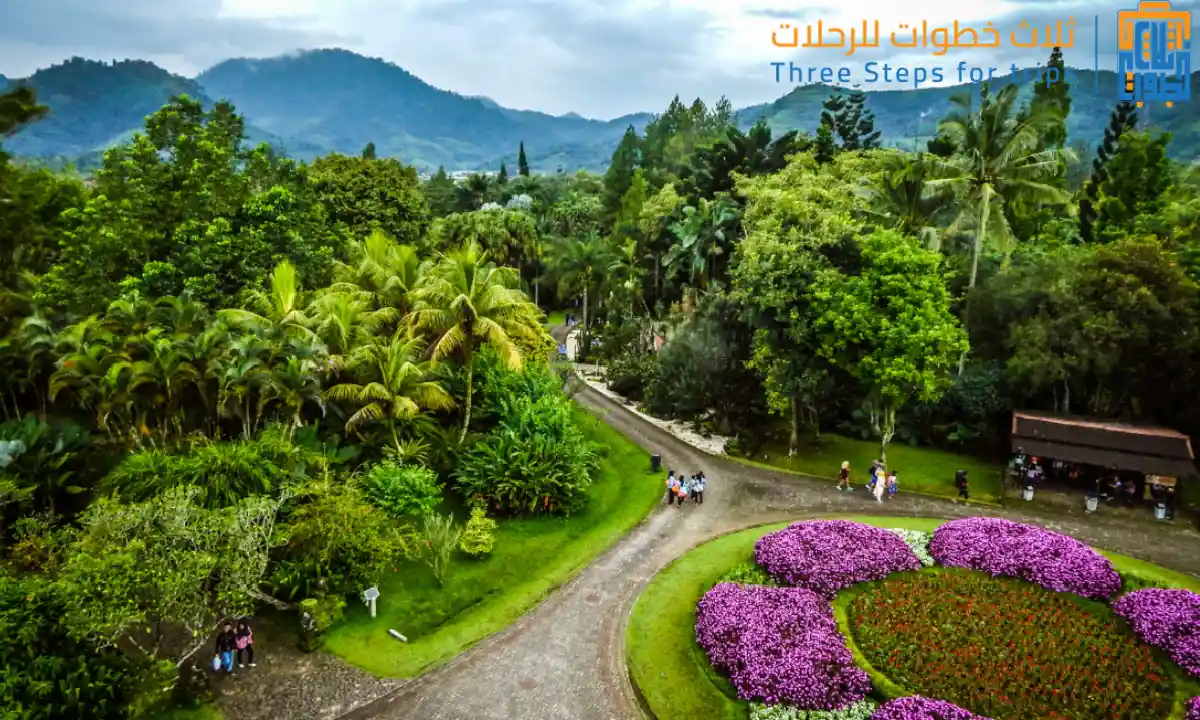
{"points": [[369, 596]]}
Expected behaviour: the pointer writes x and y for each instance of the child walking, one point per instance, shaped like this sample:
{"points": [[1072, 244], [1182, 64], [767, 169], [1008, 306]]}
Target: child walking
{"points": [[893, 484], [685, 487], [672, 487], [844, 477], [245, 644]]}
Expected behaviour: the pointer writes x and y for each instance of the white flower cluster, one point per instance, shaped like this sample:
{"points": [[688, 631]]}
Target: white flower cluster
{"points": [[858, 711], [918, 542]]}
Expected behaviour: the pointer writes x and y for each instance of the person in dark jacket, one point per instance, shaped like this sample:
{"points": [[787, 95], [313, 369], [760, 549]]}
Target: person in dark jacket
{"points": [[226, 644], [960, 482]]}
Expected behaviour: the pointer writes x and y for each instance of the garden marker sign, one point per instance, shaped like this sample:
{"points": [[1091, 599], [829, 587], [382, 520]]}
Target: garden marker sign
{"points": [[369, 596]]}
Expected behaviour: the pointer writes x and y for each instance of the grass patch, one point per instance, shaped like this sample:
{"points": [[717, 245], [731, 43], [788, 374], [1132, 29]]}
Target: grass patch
{"points": [[533, 556], [673, 674], [923, 470], [190, 712], [555, 318]]}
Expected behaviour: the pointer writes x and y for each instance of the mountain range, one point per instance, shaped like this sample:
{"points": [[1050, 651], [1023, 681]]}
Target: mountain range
{"points": [[317, 102]]}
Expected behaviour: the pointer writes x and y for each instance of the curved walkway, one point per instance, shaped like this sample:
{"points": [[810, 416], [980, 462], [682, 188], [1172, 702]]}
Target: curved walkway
{"points": [[564, 660]]}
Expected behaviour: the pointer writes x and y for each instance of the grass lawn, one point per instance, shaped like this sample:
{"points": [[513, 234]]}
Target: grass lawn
{"points": [[668, 667], [532, 557], [921, 469], [556, 318]]}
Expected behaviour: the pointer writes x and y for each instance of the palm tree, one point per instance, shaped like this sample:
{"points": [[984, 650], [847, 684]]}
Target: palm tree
{"points": [[397, 386], [581, 264], [905, 200], [384, 270], [466, 302], [277, 311], [998, 159], [293, 384], [344, 322]]}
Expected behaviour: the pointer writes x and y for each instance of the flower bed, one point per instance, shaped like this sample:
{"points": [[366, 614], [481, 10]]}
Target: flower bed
{"points": [[779, 645], [858, 711], [1008, 649], [1002, 547], [1193, 709], [1168, 619], [919, 708], [826, 556], [918, 542]]}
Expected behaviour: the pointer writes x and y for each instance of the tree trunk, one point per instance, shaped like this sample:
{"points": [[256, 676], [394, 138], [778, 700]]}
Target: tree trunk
{"points": [[886, 431], [583, 334], [1066, 406], [794, 439], [985, 208], [467, 406]]}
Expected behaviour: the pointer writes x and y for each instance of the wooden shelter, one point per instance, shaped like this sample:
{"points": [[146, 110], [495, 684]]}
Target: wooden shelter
{"points": [[1103, 443]]}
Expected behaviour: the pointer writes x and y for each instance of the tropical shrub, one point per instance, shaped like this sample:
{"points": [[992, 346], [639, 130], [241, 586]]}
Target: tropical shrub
{"points": [[1167, 619], [537, 461], [826, 556], [46, 674], [316, 616], [779, 645], [479, 535], [337, 542], [439, 539], [1002, 547], [38, 543], [402, 490], [1008, 649]]}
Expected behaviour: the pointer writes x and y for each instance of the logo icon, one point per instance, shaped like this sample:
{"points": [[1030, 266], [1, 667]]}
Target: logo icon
{"points": [[1154, 56]]}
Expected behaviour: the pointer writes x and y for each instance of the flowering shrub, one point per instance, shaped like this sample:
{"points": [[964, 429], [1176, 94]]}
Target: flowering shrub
{"points": [[918, 542], [858, 711], [919, 708], [1050, 559], [1008, 649], [1193, 709], [1168, 619], [826, 556], [779, 645]]}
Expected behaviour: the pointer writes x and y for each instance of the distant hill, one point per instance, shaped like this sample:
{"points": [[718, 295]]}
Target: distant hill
{"points": [[338, 101], [904, 116], [316, 102]]}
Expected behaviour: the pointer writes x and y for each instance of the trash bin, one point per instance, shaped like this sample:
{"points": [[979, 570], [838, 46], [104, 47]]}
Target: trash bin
{"points": [[1160, 512], [1027, 493], [655, 463], [1092, 503]]}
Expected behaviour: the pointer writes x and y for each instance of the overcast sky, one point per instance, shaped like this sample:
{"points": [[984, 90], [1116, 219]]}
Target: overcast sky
{"points": [[600, 58]]}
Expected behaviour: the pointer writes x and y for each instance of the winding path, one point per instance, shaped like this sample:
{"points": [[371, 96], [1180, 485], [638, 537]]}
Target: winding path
{"points": [[565, 660]]}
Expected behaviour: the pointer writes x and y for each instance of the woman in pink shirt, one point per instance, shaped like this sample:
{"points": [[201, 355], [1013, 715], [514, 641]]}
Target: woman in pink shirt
{"points": [[245, 644]]}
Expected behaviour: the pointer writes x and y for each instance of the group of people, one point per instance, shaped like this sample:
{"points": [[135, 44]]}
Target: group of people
{"points": [[231, 641], [680, 488], [880, 482]]}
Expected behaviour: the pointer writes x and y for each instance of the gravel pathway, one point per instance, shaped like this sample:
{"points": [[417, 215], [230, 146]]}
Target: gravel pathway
{"points": [[565, 659]]}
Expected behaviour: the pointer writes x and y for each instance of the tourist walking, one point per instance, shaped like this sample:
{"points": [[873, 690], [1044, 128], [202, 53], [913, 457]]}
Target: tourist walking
{"points": [[880, 485], [844, 477], [698, 489], [685, 487], [672, 487], [893, 484], [245, 644], [226, 644], [960, 482]]}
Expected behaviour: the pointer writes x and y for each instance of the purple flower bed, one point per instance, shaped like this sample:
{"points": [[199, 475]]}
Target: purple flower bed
{"points": [[1167, 619], [1193, 709], [1055, 561], [826, 556], [779, 645], [916, 707]]}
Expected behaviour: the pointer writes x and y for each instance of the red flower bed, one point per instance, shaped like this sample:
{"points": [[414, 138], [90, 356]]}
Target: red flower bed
{"points": [[1008, 649]]}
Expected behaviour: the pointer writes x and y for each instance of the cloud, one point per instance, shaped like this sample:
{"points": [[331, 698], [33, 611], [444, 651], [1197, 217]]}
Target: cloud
{"points": [[187, 35], [601, 58]]}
